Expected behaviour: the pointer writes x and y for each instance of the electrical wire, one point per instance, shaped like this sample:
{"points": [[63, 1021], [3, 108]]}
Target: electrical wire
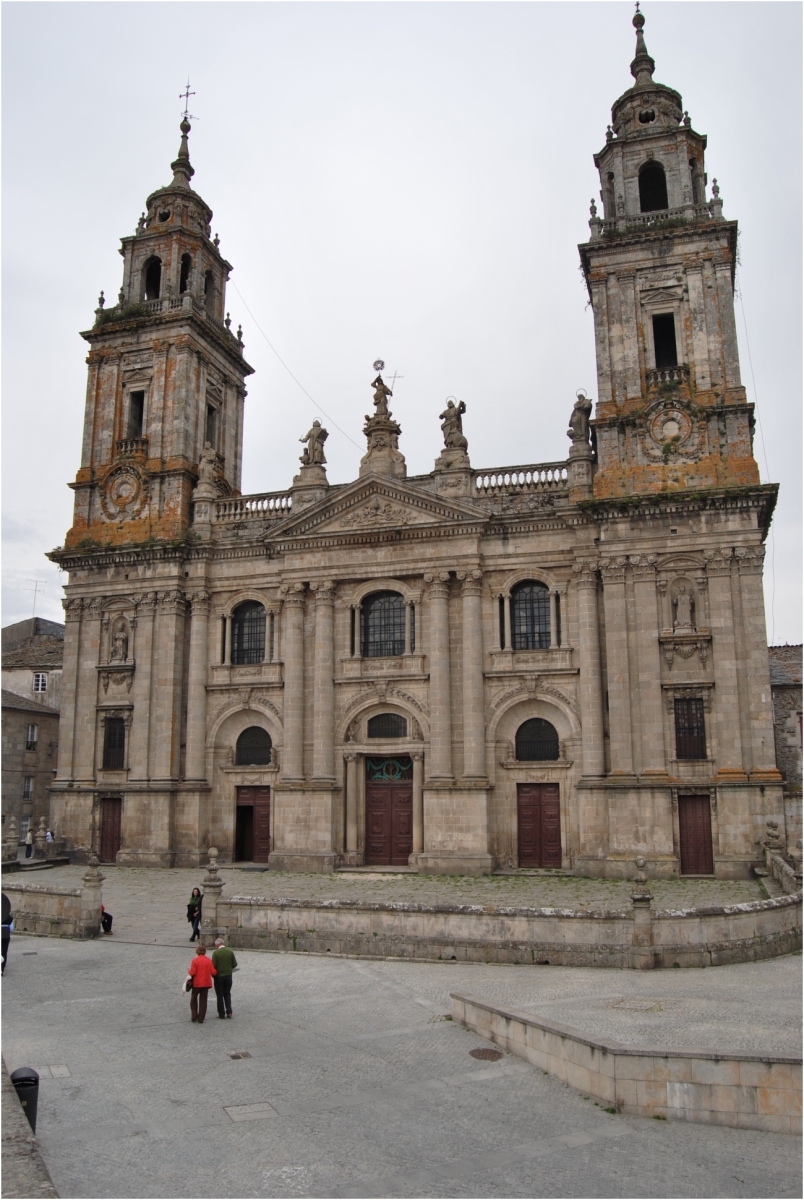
{"points": [[290, 373], [764, 455]]}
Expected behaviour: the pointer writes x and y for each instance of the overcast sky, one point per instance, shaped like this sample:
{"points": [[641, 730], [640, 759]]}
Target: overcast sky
{"points": [[406, 181]]}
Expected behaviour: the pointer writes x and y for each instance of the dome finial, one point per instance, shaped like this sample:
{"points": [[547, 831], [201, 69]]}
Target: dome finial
{"points": [[182, 171], [643, 66]]}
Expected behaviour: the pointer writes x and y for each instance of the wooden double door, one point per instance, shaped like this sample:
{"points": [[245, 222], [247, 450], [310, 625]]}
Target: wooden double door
{"points": [[695, 835], [253, 824], [111, 818], [538, 825], [389, 821]]}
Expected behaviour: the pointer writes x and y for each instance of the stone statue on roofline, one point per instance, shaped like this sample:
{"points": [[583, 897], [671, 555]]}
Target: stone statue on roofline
{"points": [[452, 426], [381, 394], [206, 464], [578, 431], [313, 454]]}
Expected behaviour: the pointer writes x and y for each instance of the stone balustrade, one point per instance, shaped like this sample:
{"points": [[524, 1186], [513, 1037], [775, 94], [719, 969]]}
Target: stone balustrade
{"points": [[688, 212], [538, 477], [137, 445], [265, 506], [677, 374]]}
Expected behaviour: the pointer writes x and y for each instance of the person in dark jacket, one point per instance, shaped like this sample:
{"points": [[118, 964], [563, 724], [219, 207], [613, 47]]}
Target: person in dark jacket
{"points": [[8, 925], [224, 962], [194, 912]]}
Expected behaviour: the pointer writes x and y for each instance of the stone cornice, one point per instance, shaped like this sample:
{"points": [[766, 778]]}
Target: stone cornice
{"points": [[161, 322]]}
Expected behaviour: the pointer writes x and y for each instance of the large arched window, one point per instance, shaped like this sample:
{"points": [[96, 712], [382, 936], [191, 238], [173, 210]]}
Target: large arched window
{"points": [[382, 625], [248, 633], [253, 747], [530, 616], [152, 279], [536, 741], [652, 187], [387, 725]]}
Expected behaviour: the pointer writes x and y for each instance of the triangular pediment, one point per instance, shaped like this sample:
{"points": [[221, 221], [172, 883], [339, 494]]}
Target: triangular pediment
{"points": [[375, 504]]}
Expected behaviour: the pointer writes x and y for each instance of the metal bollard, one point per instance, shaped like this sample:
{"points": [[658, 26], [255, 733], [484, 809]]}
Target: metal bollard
{"points": [[26, 1082]]}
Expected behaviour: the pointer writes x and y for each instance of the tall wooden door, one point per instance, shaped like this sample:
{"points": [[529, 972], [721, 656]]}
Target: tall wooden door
{"points": [[389, 812], [538, 825], [111, 813], [253, 829], [695, 835]]}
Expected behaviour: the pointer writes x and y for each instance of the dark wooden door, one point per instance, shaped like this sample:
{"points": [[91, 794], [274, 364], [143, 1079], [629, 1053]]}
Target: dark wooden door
{"points": [[253, 830], [389, 823], [538, 825], [695, 835], [111, 812]]}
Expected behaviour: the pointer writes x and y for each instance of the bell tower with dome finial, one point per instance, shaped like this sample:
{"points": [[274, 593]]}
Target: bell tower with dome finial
{"points": [[659, 266], [166, 377]]}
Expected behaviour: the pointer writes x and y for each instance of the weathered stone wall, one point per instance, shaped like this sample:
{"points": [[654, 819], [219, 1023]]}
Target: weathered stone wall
{"points": [[50, 911]]}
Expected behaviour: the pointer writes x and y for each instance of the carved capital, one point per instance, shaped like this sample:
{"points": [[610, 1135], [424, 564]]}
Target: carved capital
{"points": [[293, 594], [439, 584], [72, 609], [417, 755], [172, 600], [324, 591], [718, 562], [94, 607], [350, 755], [585, 572], [200, 602], [643, 567], [471, 582], [613, 569], [750, 559]]}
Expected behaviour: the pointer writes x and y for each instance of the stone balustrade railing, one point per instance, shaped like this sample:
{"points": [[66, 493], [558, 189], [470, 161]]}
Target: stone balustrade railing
{"points": [[709, 211], [271, 506], [677, 374], [138, 445], [186, 301], [539, 477]]}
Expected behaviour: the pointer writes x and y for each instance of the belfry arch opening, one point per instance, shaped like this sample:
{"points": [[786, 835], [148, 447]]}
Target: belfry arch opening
{"points": [[652, 188], [152, 279], [184, 274]]}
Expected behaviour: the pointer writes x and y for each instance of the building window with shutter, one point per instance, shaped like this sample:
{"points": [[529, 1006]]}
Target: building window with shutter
{"points": [[40, 681], [114, 744], [690, 729], [32, 737]]}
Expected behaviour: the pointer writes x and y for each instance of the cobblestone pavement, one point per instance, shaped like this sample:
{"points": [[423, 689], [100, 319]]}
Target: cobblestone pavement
{"points": [[355, 1084], [150, 905]]}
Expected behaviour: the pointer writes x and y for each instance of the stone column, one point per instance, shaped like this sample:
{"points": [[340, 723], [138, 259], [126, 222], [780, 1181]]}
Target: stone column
{"points": [[351, 802], [293, 756], [168, 670], [591, 687], [324, 699], [91, 898], [72, 637], [408, 608], [418, 801], [141, 689], [86, 692], [474, 728], [755, 641], [553, 621], [648, 667], [509, 645], [727, 746], [440, 710], [227, 641], [355, 618], [195, 767], [212, 886], [619, 674]]}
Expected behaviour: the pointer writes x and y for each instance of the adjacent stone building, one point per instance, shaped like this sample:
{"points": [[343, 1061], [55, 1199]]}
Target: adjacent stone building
{"points": [[785, 678], [33, 652], [555, 665]]}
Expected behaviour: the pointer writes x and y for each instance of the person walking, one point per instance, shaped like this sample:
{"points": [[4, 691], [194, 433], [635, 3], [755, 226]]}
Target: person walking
{"points": [[8, 925], [194, 912], [202, 972], [106, 920], [29, 840], [224, 962]]}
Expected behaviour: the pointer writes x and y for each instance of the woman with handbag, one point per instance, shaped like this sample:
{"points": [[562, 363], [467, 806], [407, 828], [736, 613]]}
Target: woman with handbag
{"points": [[202, 973], [194, 912]]}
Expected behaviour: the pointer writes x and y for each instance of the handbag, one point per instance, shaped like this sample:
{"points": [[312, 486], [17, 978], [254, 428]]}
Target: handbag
{"points": [[187, 986]]}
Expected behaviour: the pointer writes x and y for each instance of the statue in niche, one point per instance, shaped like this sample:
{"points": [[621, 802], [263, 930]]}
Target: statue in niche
{"points": [[578, 431], [381, 394], [119, 649], [313, 455], [683, 610], [452, 426], [206, 464]]}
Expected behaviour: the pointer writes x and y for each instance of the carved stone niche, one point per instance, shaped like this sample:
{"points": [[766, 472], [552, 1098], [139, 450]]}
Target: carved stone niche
{"points": [[117, 676]]}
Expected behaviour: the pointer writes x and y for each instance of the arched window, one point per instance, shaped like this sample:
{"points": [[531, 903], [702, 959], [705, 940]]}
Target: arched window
{"points": [[248, 633], [387, 725], [382, 625], [186, 267], [209, 291], [152, 279], [536, 741], [652, 187], [698, 196], [530, 616], [253, 747]]}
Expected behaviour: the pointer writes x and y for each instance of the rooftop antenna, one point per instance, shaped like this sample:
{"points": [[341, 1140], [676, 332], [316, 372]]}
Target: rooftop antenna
{"points": [[185, 96], [37, 583]]}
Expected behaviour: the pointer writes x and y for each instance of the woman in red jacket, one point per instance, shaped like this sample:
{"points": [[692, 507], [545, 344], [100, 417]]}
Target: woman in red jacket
{"points": [[202, 972]]}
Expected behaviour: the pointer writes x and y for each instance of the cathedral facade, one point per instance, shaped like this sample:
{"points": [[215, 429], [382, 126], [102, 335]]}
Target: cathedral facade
{"points": [[558, 665]]}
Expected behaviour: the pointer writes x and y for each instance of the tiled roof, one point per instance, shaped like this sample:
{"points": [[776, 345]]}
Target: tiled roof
{"points": [[12, 700], [38, 653], [785, 665]]}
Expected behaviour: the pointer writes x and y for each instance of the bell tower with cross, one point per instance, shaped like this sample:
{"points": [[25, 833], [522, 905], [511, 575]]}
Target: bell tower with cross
{"points": [[659, 267], [166, 376]]}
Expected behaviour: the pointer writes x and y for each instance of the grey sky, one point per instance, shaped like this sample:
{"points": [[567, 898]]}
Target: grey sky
{"points": [[394, 180]]}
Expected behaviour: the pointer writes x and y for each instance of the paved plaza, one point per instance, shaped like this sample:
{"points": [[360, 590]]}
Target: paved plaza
{"points": [[355, 1084]]}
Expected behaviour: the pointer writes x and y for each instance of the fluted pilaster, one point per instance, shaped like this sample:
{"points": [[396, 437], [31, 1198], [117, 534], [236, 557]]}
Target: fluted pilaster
{"points": [[440, 705], [195, 767], [324, 701], [474, 740], [293, 628], [591, 684]]}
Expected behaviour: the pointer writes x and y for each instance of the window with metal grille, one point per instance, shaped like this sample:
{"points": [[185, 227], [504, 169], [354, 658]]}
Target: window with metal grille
{"points": [[32, 737], [40, 681], [530, 616], [389, 769], [253, 747], [690, 729], [27, 788], [114, 744], [248, 633], [387, 725], [382, 625], [536, 741]]}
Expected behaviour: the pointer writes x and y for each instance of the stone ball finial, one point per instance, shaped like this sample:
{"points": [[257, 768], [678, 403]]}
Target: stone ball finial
{"points": [[640, 863], [185, 125], [638, 20]]}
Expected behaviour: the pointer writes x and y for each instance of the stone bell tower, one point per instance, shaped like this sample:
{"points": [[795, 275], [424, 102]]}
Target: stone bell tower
{"points": [[166, 376], [659, 265]]}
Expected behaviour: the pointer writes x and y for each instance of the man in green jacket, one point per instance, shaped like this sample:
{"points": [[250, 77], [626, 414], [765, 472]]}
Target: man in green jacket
{"points": [[224, 962]]}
